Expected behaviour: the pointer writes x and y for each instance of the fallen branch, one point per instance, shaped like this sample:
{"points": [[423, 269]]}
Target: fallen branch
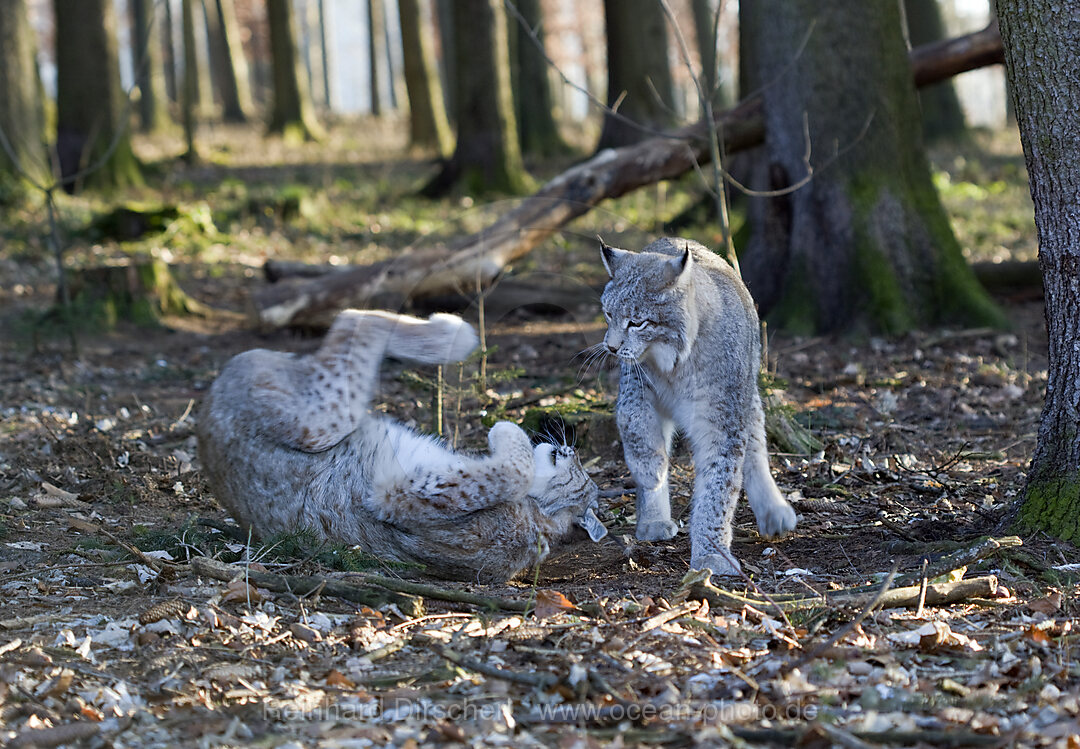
{"points": [[483, 256], [410, 605], [444, 594], [937, 594]]}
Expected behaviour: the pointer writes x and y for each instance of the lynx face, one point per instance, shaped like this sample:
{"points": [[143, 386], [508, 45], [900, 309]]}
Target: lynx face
{"points": [[645, 306], [561, 484]]}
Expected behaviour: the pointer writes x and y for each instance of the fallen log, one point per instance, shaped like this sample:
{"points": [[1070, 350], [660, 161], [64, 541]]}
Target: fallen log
{"points": [[479, 258]]}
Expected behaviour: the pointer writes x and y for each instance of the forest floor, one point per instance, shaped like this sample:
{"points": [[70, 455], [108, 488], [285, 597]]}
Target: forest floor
{"points": [[110, 636]]}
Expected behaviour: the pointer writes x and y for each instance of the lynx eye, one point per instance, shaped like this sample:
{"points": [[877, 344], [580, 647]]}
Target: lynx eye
{"points": [[637, 323]]}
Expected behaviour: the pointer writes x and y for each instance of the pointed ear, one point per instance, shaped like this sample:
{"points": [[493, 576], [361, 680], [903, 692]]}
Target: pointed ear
{"points": [[612, 257], [678, 268]]}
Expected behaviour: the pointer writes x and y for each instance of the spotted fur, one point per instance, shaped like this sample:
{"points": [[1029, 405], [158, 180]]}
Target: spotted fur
{"points": [[289, 442], [685, 332]]}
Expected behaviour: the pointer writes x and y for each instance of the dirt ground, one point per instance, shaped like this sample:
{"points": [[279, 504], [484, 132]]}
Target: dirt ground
{"points": [[109, 636]]}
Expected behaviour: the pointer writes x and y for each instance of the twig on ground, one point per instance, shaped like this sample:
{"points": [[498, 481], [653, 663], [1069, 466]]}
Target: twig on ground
{"points": [[301, 584], [541, 679], [843, 631]]}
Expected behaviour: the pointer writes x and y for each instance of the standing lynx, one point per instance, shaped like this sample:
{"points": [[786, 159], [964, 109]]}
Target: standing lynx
{"points": [[289, 442], [685, 332]]}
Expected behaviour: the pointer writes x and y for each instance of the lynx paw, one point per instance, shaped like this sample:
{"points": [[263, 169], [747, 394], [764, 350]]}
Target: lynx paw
{"points": [[721, 565], [656, 530], [453, 332], [776, 520]]}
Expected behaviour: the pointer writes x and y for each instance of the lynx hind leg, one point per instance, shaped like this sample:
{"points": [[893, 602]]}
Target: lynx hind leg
{"points": [[314, 402], [775, 516]]}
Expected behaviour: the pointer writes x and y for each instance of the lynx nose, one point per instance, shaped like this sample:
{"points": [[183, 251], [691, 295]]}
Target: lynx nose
{"points": [[612, 349]]}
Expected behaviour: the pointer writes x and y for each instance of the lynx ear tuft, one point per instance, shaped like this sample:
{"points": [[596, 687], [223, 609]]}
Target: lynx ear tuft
{"points": [[678, 268], [611, 256]]}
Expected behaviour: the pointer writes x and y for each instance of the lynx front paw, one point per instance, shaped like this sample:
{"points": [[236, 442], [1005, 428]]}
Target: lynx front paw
{"points": [[776, 520], [656, 530], [721, 565]]}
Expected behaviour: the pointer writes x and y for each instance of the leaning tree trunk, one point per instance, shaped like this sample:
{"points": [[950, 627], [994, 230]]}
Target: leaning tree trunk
{"points": [[227, 60], [149, 65], [538, 132], [428, 126], [639, 72], [1042, 54], [92, 139], [21, 118], [942, 116], [291, 114], [486, 157], [864, 242]]}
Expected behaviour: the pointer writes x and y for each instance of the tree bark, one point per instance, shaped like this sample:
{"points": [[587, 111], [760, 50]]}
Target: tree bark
{"points": [[487, 157], [428, 126], [865, 243], [639, 72], [942, 115], [315, 301], [291, 114], [149, 66], [1042, 55], [92, 140], [538, 132], [227, 61], [21, 116]]}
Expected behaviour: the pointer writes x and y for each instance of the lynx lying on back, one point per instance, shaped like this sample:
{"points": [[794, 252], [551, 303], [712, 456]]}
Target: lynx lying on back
{"points": [[289, 442], [685, 331]]}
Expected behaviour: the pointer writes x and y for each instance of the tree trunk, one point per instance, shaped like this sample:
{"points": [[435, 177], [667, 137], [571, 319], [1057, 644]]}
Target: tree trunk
{"points": [[538, 133], [377, 55], [291, 114], [483, 256], [1042, 55], [92, 140], [639, 72], [189, 93], [21, 117], [428, 127], [227, 60], [324, 56], [168, 47], [942, 116], [149, 65], [487, 156], [444, 13], [204, 80], [865, 243], [705, 28]]}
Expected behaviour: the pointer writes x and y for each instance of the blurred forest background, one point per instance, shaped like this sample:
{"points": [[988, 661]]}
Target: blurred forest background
{"points": [[183, 180]]}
